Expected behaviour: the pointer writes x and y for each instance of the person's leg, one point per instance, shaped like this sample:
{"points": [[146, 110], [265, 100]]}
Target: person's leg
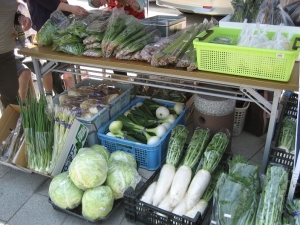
{"points": [[25, 81], [58, 84], [52, 82], [9, 84], [48, 83]]}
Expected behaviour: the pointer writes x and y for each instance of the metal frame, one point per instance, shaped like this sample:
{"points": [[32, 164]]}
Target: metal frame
{"points": [[242, 91]]}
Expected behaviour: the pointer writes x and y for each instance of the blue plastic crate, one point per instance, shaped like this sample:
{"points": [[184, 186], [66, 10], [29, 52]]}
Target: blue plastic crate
{"points": [[149, 157], [105, 114]]}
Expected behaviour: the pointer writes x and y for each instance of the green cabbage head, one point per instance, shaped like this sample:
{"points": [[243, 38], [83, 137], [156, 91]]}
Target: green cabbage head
{"points": [[97, 202], [102, 150], [63, 192], [120, 176], [123, 156], [88, 169]]}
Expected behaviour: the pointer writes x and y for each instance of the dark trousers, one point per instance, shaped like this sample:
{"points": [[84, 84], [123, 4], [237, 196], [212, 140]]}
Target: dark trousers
{"points": [[9, 84]]}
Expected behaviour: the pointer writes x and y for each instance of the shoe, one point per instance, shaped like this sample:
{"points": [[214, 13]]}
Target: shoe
{"points": [[33, 76]]}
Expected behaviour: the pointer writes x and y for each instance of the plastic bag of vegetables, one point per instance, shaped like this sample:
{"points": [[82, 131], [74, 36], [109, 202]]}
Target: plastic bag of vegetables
{"points": [[88, 169], [120, 176], [73, 48], [64, 193], [97, 202], [123, 156], [44, 36]]}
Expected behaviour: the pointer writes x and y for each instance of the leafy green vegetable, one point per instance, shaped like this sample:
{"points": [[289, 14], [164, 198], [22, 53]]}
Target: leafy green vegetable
{"points": [[123, 156], [196, 147], [272, 197], [293, 208], [73, 48], [176, 144], [97, 202], [102, 150], [63, 192], [88, 169], [236, 194], [287, 135], [215, 150], [44, 35], [66, 39], [121, 176]]}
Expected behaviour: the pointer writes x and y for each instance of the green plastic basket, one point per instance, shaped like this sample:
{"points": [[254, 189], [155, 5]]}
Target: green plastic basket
{"points": [[243, 61]]}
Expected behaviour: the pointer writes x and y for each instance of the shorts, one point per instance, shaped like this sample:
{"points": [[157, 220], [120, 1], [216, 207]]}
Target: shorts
{"points": [[21, 67]]}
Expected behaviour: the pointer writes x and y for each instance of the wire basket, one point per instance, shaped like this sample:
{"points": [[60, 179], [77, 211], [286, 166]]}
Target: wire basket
{"points": [[239, 119], [229, 58]]}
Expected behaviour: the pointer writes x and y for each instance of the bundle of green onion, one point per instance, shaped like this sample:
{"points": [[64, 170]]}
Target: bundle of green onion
{"points": [[38, 128]]}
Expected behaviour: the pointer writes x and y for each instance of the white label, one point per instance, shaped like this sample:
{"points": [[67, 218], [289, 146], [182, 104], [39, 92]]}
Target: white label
{"points": [[227, 215], [213, 222], [280, 55]]}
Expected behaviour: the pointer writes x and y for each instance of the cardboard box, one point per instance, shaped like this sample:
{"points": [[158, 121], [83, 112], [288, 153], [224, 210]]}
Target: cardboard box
{"points": [[75, 140], [8, 122]]}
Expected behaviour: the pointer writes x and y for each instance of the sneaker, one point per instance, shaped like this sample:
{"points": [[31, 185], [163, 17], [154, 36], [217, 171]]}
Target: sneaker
{"points": [[33, 76]]}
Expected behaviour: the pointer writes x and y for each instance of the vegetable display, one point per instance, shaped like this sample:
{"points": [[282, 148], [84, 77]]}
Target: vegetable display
{"points": [[89, 189]]}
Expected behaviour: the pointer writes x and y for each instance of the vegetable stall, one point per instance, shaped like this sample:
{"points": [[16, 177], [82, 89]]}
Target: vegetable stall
{"points": [[174, 189]]}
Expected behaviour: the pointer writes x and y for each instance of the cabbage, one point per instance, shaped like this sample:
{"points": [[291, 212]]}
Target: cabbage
{"points": [[123, 156], [88, 169], [120, 176], [64, 193], [102, 150], [97, 202]]}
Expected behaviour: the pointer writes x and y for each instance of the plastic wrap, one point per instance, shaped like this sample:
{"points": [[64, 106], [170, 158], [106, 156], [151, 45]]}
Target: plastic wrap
{"points": [[187, 57], [93, 38], [93, 53], [116, 24], [97, 26], [73, 48], [139, 43], [132, 28], [271, 12], [95, 45]]}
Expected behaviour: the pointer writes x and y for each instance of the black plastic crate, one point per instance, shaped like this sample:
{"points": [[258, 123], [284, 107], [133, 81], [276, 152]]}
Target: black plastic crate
{"points": [[77, 211], [277, 155], [139, 211]]}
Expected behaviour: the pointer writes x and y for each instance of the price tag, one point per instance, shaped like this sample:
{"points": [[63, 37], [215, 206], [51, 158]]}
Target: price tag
{"points": [[227, 215], [280, 55], [213, 222]]}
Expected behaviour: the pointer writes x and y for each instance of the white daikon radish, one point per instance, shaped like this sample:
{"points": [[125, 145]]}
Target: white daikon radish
{"points": [[199, 207], [212, 156], [197, 188], [165, 203], [163, 183], [180, 208], [148, 195], [180, 184]]}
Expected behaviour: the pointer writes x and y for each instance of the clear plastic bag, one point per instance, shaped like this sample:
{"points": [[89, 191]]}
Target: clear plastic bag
{"points": [[93, 52]]}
